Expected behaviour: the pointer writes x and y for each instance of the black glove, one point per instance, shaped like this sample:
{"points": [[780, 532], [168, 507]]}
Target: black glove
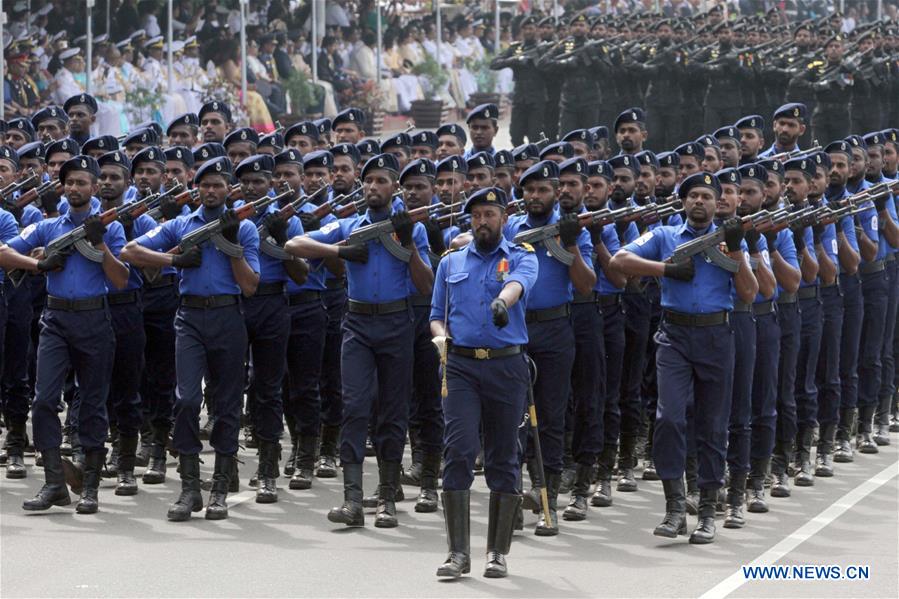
{"points": [[230, 225], [402, 225], [818, 232], [353, 253], [192, 258], [680, 271], [880, 203], [277, 227], [49, 202], [169, 208], [56, 261], [569, 229], [733, 234], [435, 236], [94, 230], [771, 238], [310, 222], [798, 237], [500, 312], [752, 238], [621, 228]]}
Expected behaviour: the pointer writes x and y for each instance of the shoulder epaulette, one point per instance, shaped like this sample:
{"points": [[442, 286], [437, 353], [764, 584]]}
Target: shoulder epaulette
{"points": [[450, 251], [525, 246]]}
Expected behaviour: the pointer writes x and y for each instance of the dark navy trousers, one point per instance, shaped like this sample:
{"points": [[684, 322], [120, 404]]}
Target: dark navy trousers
{"points": [[425, 409], [740, 428], [764, 385], [377, 384], [268, 328], [305, 350], [637, 310], [16, 348], [807, 362], [551, 347], [888, 356], [123, 403], [695, 374], [488, 395], [613, 340], [851, 287], [332, 402], [587, 383], [827, 375], [875, 293], [790, 327], [158, 384], [85, 342], [212, 344]]}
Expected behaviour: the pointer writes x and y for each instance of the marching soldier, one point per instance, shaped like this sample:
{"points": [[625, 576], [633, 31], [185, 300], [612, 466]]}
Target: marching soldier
{"points": [[529, 97]]}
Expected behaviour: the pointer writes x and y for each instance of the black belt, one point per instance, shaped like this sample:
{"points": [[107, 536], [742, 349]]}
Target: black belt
{"points": [[484, 353], [270, 289], [547, 314], [612, 299], [126, 297], [302, 297], [334, 283], [869, 268], [420, 300], [890, 257], [162, 281], [742, 306], [786, 298], [634, 286], [76, 305], [805, 293], [208, 301], [375, 309], [585, 298], [763, 308], [696, 320]]}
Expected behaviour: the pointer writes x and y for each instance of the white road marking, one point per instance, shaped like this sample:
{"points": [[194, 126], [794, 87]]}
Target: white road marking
{"points": [[806, 531]]}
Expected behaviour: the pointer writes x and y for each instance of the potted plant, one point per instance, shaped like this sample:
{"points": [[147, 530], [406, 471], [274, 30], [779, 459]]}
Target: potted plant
{"points": [[429, 113], [368, 97], [302, 93], [486, 79]]}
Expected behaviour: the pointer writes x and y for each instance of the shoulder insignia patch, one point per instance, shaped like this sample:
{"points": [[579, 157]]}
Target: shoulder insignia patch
{"points": [[526, 246]]}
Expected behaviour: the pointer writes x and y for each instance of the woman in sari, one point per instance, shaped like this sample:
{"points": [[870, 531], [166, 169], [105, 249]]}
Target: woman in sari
{"points": [[259, 116]]}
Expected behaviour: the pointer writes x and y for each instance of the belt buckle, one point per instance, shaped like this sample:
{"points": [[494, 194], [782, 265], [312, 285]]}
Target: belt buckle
{"points": [[481, 353]]}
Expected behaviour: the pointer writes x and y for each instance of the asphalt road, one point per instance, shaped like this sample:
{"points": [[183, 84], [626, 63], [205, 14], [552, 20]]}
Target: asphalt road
{"points": [[290, 549]]}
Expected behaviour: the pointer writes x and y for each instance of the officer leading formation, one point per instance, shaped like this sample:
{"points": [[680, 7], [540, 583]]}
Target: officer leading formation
{"points": [[718, 315]]}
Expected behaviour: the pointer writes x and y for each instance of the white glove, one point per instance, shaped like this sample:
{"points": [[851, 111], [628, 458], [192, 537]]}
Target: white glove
{"points": [[440, 343]]}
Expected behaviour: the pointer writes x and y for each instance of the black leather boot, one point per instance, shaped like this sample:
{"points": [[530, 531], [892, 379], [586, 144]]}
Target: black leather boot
{"points": [[190, 500], [845, 430], [93, 467], [389, 474], [456, 516], [691, 474], [290, 465], [217, 507], [757, 471], [269, 454], [54, 491], [551, 528], [566, 480], [531, 499], [779, 460], [412, 475], [804, 475], [627, 461], [580, 491], [864, 442], [305, 464], [15, 450], [155, 472], [427, 498], [327, 462], [127, 484], [675, 521], [824, 455], [111, 468], [500, 524], [350, 513], [704, 532], [736, 490], [142, 457]]}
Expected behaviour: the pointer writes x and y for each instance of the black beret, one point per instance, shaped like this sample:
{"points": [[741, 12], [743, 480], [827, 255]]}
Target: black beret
{"points": [[66, 145], [260, 163], [385, 162], [107, 143], [188, 118], [307, 128], [215, 106], [699, 180], [116, 158], [79, 163], [219, 165], [85, 99], [180, 154], [421, 167], [349, 150], [151, 154], [454, 130], [240, 135]]}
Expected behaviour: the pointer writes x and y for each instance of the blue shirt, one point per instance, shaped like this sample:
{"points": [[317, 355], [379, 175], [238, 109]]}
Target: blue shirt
{"points": [[765, 258], [787, 250], [885, 248], [142, 224], [472, 151], [214, 276], [271, 270], [774, 150], [846, 224], [473, 280], [712, 288], [555, 287], [9, 228], [80, 278], [609, 239], [383, 278], [867, 219], [315, 280], [809, 238], [63, 206]]}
